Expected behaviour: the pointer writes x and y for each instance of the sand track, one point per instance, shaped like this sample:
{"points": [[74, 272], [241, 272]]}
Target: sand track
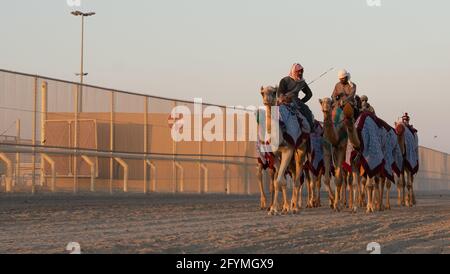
{"points": [[212, 224]]}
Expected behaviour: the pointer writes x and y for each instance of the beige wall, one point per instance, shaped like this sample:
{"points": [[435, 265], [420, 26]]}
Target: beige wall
{"points": [[434, 171]]}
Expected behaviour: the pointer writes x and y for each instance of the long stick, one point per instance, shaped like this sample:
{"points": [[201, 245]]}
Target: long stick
{"points": [[320, 76]]}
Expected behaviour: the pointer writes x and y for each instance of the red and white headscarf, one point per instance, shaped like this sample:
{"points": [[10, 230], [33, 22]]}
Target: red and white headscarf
{"points": [[294, 72]]}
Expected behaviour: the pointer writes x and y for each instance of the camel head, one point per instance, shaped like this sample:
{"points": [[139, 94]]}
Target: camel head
{"points": [[348, 111], [269, 95], [329, 130], [399, 128], [325, 103]]}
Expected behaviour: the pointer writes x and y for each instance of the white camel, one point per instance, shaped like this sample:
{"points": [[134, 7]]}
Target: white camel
{"points": [[283, 155]]}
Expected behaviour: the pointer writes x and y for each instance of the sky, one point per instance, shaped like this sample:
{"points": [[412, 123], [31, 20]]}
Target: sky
{"points": [[223, 51]]}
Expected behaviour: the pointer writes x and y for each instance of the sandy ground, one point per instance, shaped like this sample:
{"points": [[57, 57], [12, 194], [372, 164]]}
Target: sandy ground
{"points": [[212, 224]]}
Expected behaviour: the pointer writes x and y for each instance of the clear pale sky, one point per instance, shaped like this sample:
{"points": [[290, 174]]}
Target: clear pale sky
{"points": [[223, 51]]}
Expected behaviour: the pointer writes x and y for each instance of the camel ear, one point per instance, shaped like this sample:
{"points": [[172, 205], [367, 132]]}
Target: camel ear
{"points": [[262, 88], [320, 101]]}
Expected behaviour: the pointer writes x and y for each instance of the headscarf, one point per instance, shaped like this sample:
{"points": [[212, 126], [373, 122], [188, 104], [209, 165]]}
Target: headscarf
{"points": [[295, 68], [343, 73]]}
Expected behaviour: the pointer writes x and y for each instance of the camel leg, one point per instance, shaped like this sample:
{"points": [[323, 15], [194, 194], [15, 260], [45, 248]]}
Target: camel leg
{"points": [[407, 189], [409, 200], [369, 188], [399, 191], [295, 190], [261, 186], [310, 190], [354, 192], [300, 196], [272, 174], [296, 203], [413, 196], [286, 155], [388, 190], [318, 187], [344, 189], [403, 189], [350, 190], [285, 208], [338, 182], [363, 191], [376, 194], [382, 184], [339, 178], [327, 174], [361, 187]]}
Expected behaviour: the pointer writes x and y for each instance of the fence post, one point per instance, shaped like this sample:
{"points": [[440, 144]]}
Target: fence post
{"points": [[145, 143], [125, 173], [111, 144], [174, 165], [93, 170], [200, 148], [33, 138], [153, 174], [247, 179], [43, 127], [180, 167], [17, 180], [225, 166], [205, 178], [51, 162], [75, 138]]}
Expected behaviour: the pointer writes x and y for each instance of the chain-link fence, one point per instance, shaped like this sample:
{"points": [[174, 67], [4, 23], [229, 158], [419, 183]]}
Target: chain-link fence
{"points": [[59, 136]]}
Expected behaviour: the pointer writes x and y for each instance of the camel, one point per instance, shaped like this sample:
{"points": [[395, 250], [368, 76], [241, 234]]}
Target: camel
{"points": [[408, 141], [393, 162], [377, 146], [316, 168], [335, 134], [283, 156]]}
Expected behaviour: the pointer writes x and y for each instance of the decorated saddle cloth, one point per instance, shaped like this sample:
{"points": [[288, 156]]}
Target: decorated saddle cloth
{"points": [[411, 159], [371, 138], [315, 162], [390, 148], [293, 125], [398, 166], [264, 153]]}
